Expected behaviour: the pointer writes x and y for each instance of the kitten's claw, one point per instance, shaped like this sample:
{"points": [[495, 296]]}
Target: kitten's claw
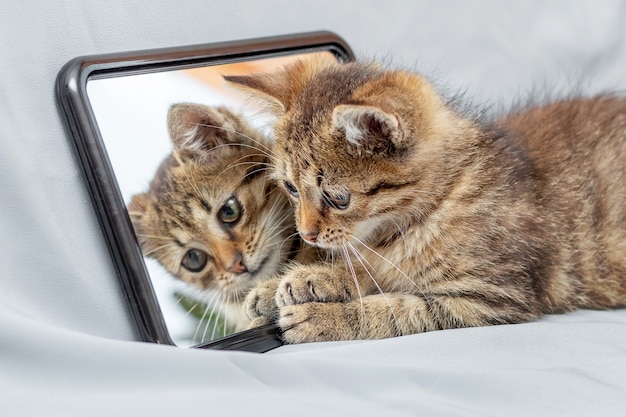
{"points": [[318, 322], [313, 283]]}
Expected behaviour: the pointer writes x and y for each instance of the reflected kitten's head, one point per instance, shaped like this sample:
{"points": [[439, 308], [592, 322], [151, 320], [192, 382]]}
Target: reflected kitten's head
{"points": [[211, 216], [359, 149]]}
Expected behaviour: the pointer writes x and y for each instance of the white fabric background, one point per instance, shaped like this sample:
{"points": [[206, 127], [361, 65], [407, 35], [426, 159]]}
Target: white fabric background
{"points": [[66, 344]]}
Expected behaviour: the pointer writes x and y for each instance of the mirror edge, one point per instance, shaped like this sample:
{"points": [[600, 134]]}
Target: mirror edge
{"points": [[108, 203], [76, 112]]}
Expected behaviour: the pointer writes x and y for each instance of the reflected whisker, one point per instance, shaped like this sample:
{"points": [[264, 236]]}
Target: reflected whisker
{"points": [[192, 183], [263, 148], [216, 321], [210, 306], [287, 239], [195, 335], [231, 166], [224, 316], [167, 245], [155, 237]]}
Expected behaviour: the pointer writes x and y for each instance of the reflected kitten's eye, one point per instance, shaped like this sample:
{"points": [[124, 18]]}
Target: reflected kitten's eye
{"points": [[291, 189], [339, 201], [195, 260], [230, 211]]}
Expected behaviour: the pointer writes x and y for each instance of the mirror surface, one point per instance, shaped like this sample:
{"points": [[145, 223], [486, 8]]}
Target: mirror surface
{"points": [[131, 114]]}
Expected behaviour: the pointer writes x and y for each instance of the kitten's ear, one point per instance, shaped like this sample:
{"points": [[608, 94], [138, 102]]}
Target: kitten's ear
{"points": [[196, 130], [267, 90], [368, 128], [277, 91]]}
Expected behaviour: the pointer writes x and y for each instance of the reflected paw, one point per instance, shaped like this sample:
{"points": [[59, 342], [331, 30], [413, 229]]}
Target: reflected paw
{"points": [[260, 303], [258, 322]]}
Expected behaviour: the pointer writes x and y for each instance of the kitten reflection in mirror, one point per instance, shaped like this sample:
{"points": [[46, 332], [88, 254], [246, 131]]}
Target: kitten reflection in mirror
{"points": [[211, 216], [438, 219]]}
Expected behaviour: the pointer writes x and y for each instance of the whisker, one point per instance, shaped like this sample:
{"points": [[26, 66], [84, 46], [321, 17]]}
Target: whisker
{"points": [[250, 156], [210, 306], [287, 239], [359, 258], [269, 240], [356, 281], [254, 172], [190, 310], [231, 166], [155, 237], [387, 261], [224, 324], [272, 218], [278, 224], [419, 289], [195, 335], [167, 245], [215, 321], [195, 188]]}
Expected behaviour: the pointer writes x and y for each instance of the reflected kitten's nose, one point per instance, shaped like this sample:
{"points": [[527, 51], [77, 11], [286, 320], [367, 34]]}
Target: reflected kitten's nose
{"points": [[237, 266], [309, 236]]}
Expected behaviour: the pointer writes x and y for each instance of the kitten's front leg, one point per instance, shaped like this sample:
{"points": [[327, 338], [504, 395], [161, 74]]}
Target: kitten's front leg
{"points": [[299, 284], [376, 316], [319, 322], [387, 315], [325, 283]]}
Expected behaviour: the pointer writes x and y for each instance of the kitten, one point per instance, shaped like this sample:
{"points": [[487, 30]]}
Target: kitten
{"points": [[442, 220], [210, 216]]}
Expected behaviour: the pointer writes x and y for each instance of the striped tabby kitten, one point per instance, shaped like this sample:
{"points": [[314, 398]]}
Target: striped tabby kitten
{"points": [[211, 216], [442, 220]]}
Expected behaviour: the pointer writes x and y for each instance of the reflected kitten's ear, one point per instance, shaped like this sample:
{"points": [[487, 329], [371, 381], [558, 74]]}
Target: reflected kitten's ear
{"points": [[196, 130], [368, 128]]}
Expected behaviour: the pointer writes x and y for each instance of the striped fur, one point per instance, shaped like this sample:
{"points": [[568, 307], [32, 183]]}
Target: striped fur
{"points": [[218, 161], [452, 221]]}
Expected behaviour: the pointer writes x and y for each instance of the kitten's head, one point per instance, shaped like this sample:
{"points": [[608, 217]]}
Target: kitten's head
{"points": [[211, 216], [360, 149]]}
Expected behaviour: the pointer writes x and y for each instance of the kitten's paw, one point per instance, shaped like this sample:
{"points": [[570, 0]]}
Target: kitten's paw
{"points": [[318, 322], [313, 283], [260, 303], [258, 322]]}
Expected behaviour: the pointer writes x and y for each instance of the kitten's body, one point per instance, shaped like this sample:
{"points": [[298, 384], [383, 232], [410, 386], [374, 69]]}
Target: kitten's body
{"points": [[447, 222], [211, 216]]}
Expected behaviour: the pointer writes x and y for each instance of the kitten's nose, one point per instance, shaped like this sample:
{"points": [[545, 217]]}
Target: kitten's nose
{"points": [[237, 266], [309, 236]]}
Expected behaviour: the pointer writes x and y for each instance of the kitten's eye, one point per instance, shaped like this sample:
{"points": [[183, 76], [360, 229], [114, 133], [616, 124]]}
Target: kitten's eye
{"points": [[195, 260], [339, 201], [291, 189], [230, 211]]}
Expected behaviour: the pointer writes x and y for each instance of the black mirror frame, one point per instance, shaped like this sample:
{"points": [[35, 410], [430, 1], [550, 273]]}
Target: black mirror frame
{"points": [[76, 111]]}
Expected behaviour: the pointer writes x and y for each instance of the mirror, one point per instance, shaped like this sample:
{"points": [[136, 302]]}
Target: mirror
{"points": [[117, 108]]}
